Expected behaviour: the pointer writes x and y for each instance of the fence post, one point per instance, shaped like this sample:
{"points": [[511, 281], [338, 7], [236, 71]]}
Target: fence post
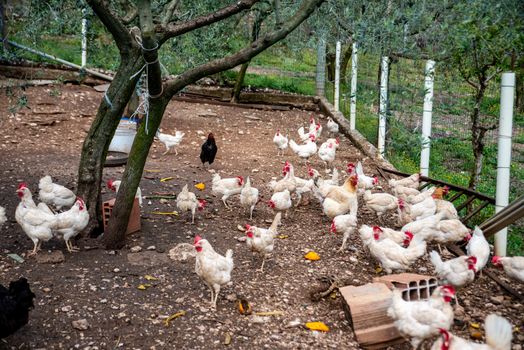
{"points": [[507, 91], [321, 66], [336, 98], [383, 106], [353, 98], [84, 37], [426, 117]]}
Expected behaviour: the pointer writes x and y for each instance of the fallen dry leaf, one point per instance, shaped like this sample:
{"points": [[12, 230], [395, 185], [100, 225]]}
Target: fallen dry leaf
{"points": [[166, 179], [172, 317]]}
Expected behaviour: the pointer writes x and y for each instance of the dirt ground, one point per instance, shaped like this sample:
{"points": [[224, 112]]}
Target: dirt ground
{"points": [[102, 286]]}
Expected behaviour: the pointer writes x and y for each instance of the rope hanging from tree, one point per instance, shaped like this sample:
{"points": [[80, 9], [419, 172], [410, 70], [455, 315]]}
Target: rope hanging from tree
{"points": [[143, 106]]}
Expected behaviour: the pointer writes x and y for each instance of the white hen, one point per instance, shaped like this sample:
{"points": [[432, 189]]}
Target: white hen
{"points": [[213, 268], [55, 194], [422, 319], [71, 222], [306, 150], [226, 187], [170, 140], [498, 337], [281, 201], [280, 141], [262, 240], [3, 218], [115, 186], [478, 247], [38, 222], [345, 224], [249, 197], [187, 201], [391, 255], [332, 126]]}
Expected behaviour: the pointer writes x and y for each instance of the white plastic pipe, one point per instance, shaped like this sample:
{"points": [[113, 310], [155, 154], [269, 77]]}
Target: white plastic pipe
{"points": [[507, 92], [383, 106], [426, 117], [84, 37], [353, 99], [336, 98]]}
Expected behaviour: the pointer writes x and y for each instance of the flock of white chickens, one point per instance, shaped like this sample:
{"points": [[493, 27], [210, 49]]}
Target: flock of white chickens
{"points": [[424, 217]]}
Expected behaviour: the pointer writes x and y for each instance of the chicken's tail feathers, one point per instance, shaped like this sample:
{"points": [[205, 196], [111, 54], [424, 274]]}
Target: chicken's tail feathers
{"points": [[417, 247], [276, 222], [435, 258], [45, 180], [22, 293], [3, 218], [293, 145], [396, 304], [358, 169], [229, 254], [498, 332], [478, 232]]}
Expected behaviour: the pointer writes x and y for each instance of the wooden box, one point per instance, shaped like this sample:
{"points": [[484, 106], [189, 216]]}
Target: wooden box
{"points": [[133, 224]]}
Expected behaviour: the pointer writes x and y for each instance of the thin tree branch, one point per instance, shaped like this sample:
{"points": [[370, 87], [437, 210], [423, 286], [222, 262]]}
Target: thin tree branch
{"points": [[243, 55], [466, 77], [497, 71], [112, 22], [172, 30], [169, 11]]}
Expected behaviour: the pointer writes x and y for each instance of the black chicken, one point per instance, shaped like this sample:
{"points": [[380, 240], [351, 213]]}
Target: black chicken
{"points": [[15, 303], [209, 150]]}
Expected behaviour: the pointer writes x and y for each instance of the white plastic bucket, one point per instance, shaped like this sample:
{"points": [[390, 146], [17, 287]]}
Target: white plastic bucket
{"points": [[124, 136]]}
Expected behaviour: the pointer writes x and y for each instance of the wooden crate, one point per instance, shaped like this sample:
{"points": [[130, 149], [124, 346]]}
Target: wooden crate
{"points": [[133, 224]]}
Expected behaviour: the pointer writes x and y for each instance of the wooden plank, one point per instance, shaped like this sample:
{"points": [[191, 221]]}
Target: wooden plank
{"points": [[474, 212], [211, 101], [470, 199], [456, 196], [510, 214], [468, 191]]}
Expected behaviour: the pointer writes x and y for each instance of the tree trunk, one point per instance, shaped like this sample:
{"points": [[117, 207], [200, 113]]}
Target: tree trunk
{"points": [[345, 61], [3, 25], [96, 143], [114, 237], [477, 137], [330, 63], [240, 81]]}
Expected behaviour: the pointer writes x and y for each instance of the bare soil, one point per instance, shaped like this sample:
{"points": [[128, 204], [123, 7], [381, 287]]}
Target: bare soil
{"points": [[102, 286]]}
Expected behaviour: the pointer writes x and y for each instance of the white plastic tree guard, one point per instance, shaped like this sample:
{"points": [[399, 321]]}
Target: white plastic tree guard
{"points": [[353, 98], [336, 98], [321, 66], [507, 93], [426, 117], [383, 106], [84, 37]]}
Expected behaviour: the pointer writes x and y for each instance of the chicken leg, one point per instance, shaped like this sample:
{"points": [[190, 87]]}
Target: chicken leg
{"points": [[217, 290], [167, 150], [263, 261], [36, 247]]}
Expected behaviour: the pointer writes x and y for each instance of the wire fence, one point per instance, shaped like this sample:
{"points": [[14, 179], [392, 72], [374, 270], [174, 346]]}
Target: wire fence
{"points": [[451, 148]]}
